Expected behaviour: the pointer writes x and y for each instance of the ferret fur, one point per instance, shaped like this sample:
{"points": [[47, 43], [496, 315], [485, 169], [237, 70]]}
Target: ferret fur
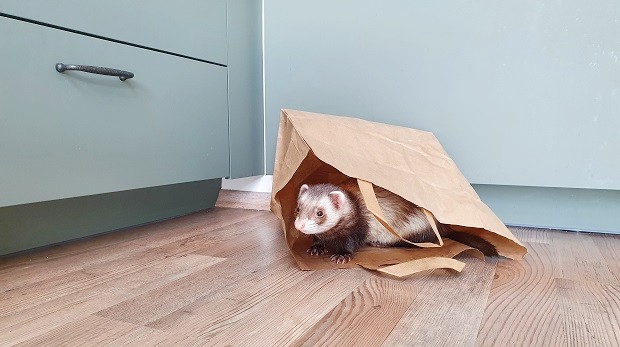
{"points": [[340, 222]]}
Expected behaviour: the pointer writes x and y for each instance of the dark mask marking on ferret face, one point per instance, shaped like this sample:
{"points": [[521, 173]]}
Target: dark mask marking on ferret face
{"points": [[319, 208]]}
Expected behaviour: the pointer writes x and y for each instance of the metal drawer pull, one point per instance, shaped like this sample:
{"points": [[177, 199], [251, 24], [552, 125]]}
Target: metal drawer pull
{"points": [[122, 75]]}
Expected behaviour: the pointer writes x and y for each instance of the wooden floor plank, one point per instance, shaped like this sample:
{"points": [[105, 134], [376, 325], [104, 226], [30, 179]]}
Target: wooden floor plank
{"points": [[579, 259], [174, 241], [149, 307], [294, 311], [242, 199], [364, 318], [591, 312], [205, 319], [38, 319], [91, 331], [61, 260], [448, 308], [226, 277], [143, 337], [263, 237], [522, 308], [92, 275], [140, 336], [70, 249], [609, 247], [531, 235]]}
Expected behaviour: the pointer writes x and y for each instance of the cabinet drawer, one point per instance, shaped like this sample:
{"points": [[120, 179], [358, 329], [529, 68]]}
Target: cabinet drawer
{"points": [[73, 134], [196, 28]]}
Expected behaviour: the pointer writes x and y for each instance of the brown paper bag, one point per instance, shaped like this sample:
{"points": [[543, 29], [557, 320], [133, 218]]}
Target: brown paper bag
{"points": [[316, 148]]}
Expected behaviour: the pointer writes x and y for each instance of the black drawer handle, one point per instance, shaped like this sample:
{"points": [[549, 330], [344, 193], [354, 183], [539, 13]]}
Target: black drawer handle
{"points": [[122, 75]]}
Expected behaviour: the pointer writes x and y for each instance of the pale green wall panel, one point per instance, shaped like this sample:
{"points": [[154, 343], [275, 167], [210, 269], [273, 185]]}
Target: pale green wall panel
{"points": [[518, 92], [524, 95], [245, 88], [557, 208]]}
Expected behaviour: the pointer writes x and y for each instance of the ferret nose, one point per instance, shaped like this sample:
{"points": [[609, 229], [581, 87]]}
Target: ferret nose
{"points": [[299, 225]]}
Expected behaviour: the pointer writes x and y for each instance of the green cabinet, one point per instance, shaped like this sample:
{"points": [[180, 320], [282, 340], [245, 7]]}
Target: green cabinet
{"points": [[82, 154], [73, 134], [194, 28]]}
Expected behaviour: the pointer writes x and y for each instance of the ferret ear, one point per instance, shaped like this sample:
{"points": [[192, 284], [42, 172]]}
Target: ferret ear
{"points": [[337, 198], [303, 189]]}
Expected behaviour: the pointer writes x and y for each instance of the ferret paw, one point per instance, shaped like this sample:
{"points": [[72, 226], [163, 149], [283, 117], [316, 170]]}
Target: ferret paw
{"points": [[317, 250], [341, 258]]}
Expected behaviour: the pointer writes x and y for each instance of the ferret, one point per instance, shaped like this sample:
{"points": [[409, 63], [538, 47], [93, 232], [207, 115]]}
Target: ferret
{"points": [[340, 223]]}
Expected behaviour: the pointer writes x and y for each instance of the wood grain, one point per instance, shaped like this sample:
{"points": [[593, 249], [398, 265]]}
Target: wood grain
{"points": [[30, 268], [579, 259], [205, 319], [91, 330], [448, 308], [530, 318], [242, 199], [591, 312], [123, 263], [63, 309], [531, 235], [609, 247], [289, 315], [226, 277], [151, 306], [364, 318]]}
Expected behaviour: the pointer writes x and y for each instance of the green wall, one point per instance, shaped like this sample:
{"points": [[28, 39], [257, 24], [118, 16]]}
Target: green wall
{"points": [[555, 208], [245, 88], [524, 95]]}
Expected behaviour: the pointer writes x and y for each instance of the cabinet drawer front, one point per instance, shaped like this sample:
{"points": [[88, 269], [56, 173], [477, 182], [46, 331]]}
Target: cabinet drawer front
{"points": [[196, 28], [73, 133]]}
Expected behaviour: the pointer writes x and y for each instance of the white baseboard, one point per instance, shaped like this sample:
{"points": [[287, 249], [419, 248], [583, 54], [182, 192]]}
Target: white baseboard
{"points": [[249, 184]]}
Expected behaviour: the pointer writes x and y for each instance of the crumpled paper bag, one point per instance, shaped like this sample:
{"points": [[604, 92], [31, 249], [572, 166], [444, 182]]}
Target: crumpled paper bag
{"points": [[317, 148]]}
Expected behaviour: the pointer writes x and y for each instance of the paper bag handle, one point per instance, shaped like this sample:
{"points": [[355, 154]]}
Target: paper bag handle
{"points": [[372, 204], [417, 265]]}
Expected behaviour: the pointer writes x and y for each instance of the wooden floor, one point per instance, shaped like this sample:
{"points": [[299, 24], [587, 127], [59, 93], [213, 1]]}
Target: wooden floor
{"points": [[225, 277], [240, 199]]}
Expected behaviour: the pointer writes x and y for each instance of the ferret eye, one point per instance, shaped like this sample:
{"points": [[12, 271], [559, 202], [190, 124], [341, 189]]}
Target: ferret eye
{"points": [[297, 209], [319, 213]]}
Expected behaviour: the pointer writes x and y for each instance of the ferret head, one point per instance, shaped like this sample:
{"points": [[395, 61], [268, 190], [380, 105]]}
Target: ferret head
{"points": [[320, 207]]}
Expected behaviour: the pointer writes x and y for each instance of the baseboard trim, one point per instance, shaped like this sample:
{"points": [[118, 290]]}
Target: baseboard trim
{"points": [[573, 209], [260, 184]]}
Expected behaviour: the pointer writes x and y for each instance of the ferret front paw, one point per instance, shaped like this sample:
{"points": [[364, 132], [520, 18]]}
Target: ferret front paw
{"points": [[317, 250], [341, 258]]}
